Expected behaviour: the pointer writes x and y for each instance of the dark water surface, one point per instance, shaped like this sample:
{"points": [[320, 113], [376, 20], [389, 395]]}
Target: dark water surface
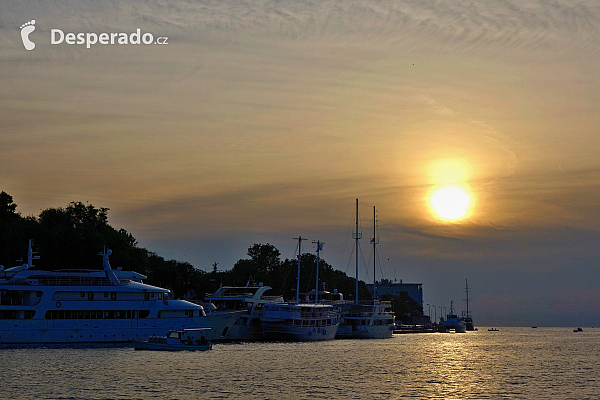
{"points": [[514, 363]]}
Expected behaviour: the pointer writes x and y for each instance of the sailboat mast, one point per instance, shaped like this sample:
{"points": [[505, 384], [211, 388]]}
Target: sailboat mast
{"points": [[298, 277], [319, 248], [374, 253], [467, 291], [357, 236]]}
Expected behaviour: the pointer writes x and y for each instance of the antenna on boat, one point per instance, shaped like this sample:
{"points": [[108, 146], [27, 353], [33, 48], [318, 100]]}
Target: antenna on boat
{"points": [[300, 239], [357, 235], [319, 248], [31, 255], [375, 241]]}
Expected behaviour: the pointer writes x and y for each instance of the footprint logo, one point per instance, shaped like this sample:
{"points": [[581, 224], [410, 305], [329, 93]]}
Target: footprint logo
{"points": [[26, 29]]}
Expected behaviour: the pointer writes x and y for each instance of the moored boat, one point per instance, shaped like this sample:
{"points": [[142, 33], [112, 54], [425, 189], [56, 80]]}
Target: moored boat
{"points": [[367, 319], [248, 302], [452, 323], [88, 306], [176, 340], [300, 321]]}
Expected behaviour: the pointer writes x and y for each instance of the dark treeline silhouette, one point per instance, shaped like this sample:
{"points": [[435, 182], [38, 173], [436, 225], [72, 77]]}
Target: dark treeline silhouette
{"points": [[72, 237]]}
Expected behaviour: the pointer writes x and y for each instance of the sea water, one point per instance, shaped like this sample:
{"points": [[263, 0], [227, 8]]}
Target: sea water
{"points": [[513, 363]]}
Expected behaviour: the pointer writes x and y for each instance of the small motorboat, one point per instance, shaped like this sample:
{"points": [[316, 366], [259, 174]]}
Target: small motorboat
{"points": [[177, 340], [493, 330], [578, 330]]}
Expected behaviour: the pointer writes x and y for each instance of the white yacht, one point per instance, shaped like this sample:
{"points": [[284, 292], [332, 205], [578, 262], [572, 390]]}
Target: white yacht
{"points": [[250, 300], [89, 306], [367, 319]]}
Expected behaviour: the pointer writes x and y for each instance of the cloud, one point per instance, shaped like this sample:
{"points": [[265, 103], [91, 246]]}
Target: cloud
{"points": [[262, 119]]}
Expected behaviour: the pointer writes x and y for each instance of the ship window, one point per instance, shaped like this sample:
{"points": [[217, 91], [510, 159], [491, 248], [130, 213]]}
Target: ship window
{"points": [[144, 313], [146, 296], [105, 294], [82, 294], [113, 295], [90, 295]]}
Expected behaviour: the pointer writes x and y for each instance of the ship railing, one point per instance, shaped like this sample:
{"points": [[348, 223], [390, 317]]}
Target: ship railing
{"points": [[71, 281], [12, 302]]}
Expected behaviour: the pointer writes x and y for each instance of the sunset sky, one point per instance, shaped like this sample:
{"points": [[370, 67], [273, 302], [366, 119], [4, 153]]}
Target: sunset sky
{"points": [[264, 120]]}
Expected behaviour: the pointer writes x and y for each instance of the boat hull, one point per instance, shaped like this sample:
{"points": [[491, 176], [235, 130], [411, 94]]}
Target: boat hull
{"points": [[299, 334], [453, 328], [222, 325], [23, 332], [364, 332], [144, 345]]}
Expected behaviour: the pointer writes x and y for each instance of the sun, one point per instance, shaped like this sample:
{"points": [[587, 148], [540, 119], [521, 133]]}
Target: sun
{"points": [[451, 202]]}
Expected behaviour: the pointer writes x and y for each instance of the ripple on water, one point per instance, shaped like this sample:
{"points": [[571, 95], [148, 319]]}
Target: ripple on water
{"points": [[514, 363]]}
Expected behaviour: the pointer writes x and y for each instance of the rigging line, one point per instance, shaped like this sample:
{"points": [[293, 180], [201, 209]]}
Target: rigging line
{"points": [[310, 277], [349, 261], [365, 264], [344, 251], [288, 270], [380, 265]]}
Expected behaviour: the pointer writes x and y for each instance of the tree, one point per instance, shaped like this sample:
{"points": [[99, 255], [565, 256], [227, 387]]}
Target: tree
{"points": [[12, 245], [263, 266]]}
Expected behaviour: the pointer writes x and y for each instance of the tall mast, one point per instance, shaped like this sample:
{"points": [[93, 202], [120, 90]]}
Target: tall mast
{"points": [[319, 248], [357, 235], [467, 291], [374, 253], [298, 277]]}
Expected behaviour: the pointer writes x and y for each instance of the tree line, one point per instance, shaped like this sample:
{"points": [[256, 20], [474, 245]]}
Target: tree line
{"points": [[71, 237]]}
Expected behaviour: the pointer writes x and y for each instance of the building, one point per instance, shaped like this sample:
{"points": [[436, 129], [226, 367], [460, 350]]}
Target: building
{"points": [[386, 286]]}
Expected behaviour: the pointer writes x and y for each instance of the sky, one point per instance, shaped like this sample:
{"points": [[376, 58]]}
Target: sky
{"points": [[263, 120]]}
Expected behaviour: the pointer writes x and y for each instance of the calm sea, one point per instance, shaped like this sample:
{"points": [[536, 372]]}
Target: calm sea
{"points": [[514, 363]]}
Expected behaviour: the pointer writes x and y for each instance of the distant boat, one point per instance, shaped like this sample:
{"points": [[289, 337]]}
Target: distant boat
{"points": [[493, 330], [578, 330], [453, 322], [534, 327]]}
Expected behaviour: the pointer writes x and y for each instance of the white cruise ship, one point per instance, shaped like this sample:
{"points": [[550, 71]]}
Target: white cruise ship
{"points": [[90, 306]]}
